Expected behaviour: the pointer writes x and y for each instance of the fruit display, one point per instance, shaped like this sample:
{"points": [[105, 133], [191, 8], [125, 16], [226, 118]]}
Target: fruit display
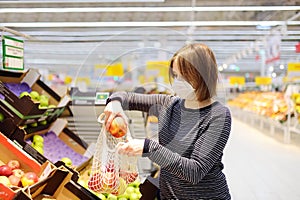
{"points": [[54, 149], [269, 104], [12, 174], [125, 191], [296, 104]]}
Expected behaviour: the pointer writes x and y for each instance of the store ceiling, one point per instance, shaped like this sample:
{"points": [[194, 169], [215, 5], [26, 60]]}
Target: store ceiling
{"points": [[73, 35]]}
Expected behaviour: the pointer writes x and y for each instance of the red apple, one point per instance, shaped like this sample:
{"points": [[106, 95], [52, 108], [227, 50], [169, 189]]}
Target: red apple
{"points": [[129, 177], [14, 180], [110, 166], [29, 178], [13, 164], [118, 127], [18, 172], [96, 182], [5, 170]]}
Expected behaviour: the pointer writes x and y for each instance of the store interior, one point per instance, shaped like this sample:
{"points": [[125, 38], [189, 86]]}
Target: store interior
{"points": [[78, 52]]}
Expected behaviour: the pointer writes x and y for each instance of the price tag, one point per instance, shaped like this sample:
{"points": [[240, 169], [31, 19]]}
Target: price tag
{"points": [[13, 53], [101, 98]]}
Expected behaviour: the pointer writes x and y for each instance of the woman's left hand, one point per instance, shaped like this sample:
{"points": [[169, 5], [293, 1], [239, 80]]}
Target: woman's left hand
{"points": [[133, 147]]}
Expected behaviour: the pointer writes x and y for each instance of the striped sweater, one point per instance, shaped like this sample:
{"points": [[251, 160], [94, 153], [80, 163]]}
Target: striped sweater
{"points": [[190, 147]]}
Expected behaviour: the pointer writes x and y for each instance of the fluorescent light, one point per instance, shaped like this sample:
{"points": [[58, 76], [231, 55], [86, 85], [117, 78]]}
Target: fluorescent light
{"points": [[144, 24], [82, 1], [149, 9]]}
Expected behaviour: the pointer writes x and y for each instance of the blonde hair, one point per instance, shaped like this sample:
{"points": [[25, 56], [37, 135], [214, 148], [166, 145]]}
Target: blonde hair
{"points": [[197, 65]]}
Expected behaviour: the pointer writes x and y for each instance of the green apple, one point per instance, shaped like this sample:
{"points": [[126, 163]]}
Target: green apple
{"points": [[38, 144], [39, 149], [34, 95], [44, 101], [44, 122], [100, 195], [134, 196], [67, 161], [112, 197], [34, 124], [1, 117], [37, 138], [25, 93]]}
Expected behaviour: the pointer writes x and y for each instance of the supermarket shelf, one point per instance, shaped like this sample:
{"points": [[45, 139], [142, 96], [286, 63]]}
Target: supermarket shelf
{"points": [[260, 122]]}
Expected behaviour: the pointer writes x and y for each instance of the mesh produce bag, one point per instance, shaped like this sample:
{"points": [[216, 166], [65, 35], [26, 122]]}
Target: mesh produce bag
{"points": [[111, 172]]}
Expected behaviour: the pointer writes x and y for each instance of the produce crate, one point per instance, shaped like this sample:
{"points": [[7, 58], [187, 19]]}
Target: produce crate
{"points": [[17, 135], [11, 151], [61, 142], [57, 186], [23, 110]]}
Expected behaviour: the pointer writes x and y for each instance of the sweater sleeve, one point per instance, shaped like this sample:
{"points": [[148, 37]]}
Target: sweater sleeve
{"points": [[141, 102], [208, 149]]}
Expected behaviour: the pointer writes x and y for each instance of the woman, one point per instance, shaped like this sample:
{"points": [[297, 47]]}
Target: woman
{"points": [[193, 128]]}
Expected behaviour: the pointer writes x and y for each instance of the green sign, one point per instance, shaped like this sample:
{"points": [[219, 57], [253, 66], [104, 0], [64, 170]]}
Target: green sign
{"points": [[101, 98], [13, 53]]}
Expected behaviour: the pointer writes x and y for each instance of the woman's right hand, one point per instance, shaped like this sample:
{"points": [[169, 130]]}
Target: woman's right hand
{"points": [[113, 109]]}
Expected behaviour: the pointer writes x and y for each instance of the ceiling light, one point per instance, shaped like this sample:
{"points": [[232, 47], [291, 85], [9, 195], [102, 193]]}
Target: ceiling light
{"points": [[141, 24], [150, 9], [82, 1]]}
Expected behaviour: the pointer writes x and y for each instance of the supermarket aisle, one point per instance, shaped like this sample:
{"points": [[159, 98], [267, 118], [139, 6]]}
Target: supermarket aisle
{"points": [[260, 168]]}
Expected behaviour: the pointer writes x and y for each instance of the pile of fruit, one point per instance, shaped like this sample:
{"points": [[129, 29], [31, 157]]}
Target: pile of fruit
{"points": [[129, 191], [11, 175], [41, 99], [269, 104]]}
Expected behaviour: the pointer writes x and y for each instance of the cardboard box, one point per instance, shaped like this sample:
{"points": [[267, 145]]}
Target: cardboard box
{"points": [[17, 135], [8, 151], [24, 110], [57, 186]]}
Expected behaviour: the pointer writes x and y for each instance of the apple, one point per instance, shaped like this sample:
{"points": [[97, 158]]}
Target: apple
{"points": [[44, 122], [5, 170], [134, 196], [44, 100], [121, 188], [39, 149], [96, 182], [25, 93], [111, 197], [2, 117], [110, 166], [29, 178], [118, 127], [101, 196], [35, 95], [38, 138], [18, 172], [13, 164], [34, 124], [38, 144], [5, 181], [129, 176], [67, 161], [14, 180]]}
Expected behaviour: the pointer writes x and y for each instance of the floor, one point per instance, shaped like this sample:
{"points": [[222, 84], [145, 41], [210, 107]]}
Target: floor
{"points": [[261, 167]]}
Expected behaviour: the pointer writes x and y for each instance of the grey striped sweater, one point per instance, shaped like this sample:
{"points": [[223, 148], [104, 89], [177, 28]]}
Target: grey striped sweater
{"points": [[190, 148]]}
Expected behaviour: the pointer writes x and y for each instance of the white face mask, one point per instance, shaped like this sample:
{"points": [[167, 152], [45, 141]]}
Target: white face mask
{"points": [[184, 90]]}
